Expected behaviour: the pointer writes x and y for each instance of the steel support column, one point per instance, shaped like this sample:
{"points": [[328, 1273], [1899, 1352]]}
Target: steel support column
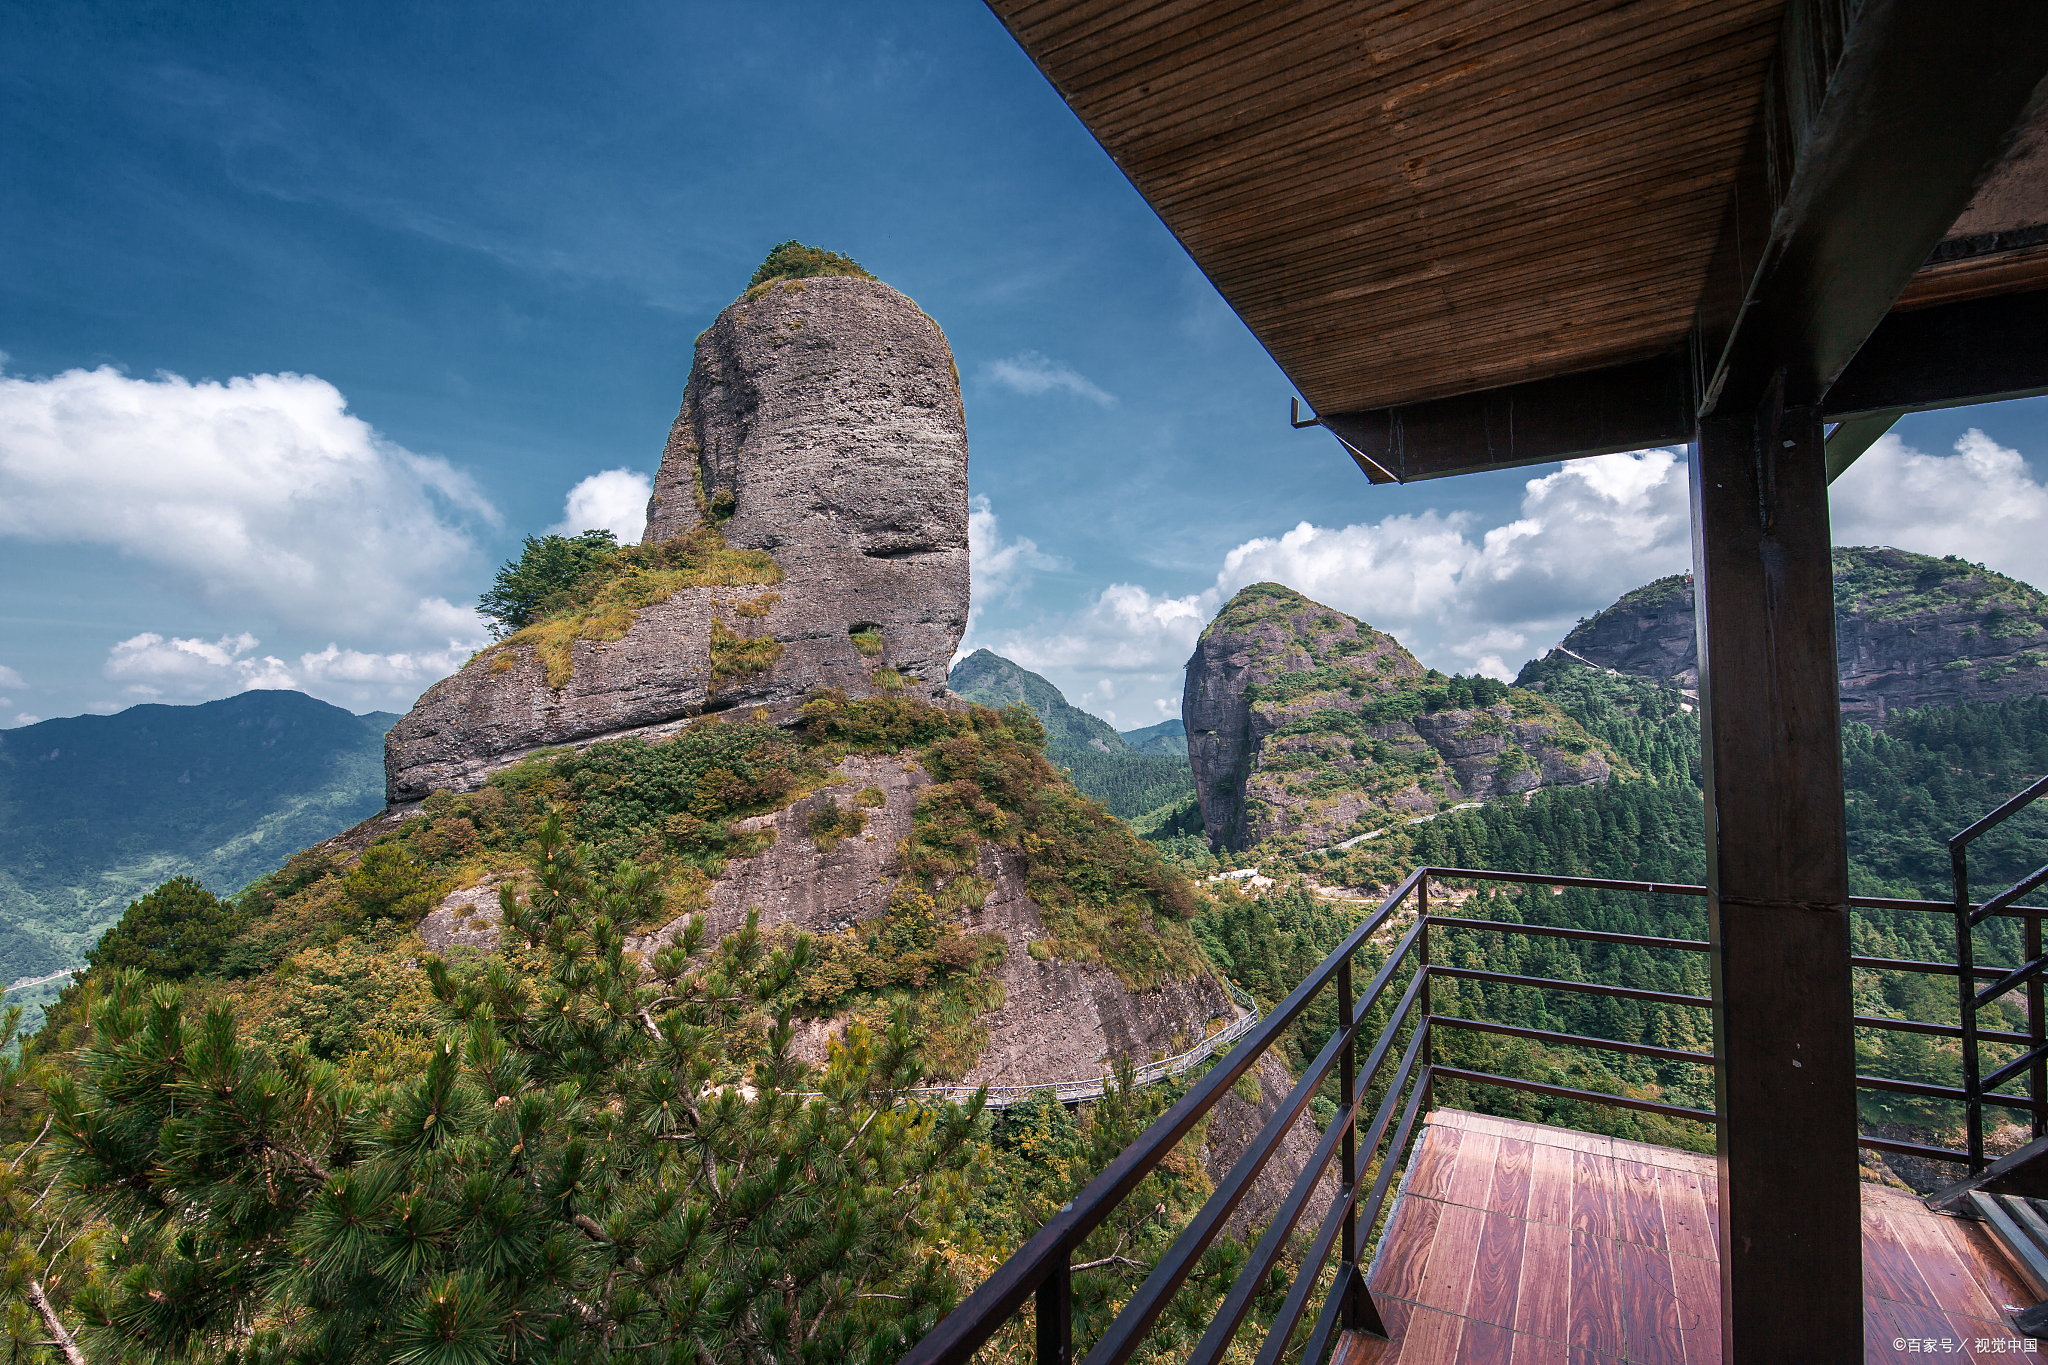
{"points": [[1777, 879]]}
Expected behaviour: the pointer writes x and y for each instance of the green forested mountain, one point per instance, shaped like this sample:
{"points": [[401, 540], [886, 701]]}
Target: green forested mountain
{"points": [[988, 679], [95, 810], [1130, 781], [1167, 737], [1931, 773]]}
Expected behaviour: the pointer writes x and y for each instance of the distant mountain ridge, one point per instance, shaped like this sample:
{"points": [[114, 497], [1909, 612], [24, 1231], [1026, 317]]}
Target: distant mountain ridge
{"points": [[1911, 631], [95, 810], [1167, 737], [1131, 781], [988, 679]]}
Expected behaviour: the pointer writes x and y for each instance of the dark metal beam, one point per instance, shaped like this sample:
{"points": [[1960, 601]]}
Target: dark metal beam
{"points": [[1624, 407], [1849, 439], [1977, 351], [1878, 123], [1777, 891]]}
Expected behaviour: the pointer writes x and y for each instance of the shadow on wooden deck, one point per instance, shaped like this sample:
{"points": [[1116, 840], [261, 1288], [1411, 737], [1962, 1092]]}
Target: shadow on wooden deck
{"points": [[1518, 1244]]}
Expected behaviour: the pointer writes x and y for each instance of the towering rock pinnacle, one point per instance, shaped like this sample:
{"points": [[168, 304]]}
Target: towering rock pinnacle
{"points": [[821, 424], [1304, 721]]}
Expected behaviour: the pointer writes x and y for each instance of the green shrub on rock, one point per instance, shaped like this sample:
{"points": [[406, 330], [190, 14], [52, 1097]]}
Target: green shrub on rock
{"points": [[792, 260], [175, 931]]}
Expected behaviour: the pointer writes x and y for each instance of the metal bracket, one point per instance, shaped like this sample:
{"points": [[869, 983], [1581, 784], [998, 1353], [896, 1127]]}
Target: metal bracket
{"points": [[1294, 416]]}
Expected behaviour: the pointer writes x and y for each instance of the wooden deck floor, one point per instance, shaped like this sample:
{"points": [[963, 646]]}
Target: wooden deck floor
{"points": [[1517, 1244]]}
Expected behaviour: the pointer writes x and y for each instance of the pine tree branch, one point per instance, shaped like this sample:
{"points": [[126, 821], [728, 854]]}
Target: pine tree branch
{"points": [[22, 1155], [60, 1337]]}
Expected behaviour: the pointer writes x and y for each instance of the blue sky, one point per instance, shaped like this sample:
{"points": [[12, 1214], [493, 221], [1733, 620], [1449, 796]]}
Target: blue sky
{"points": [[311, 312]]}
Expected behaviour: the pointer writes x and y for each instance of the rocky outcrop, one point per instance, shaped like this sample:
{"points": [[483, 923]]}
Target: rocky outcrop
{"points": [[1304, 721], [821, 424], [1648, 634], [1910, 631]]}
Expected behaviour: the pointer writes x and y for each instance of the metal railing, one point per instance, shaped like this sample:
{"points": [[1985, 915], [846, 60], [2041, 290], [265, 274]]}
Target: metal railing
{"points": [[1979, 1089], [1041, 1268]]}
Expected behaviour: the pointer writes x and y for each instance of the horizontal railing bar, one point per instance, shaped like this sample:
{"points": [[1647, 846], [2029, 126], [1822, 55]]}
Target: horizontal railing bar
{"points": [[1127, 1331], [1689, 889], [1999, 816], [2010, 894], [2010, 1070], [1668, 1054], [961, 1332], [1904, 964], [1481, 874], [1936, 1092], [1237, 1302], [2017, 977], [1305, 1278], [1585, 987], [1369, 1216], [1676, 1111], [1937, 1030], [1317, 1348], [1941, 907], [1690, 945], [1925, 1153]]}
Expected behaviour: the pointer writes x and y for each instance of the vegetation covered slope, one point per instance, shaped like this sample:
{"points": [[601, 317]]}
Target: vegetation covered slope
{"points": [[1167, 737], [1132, 783], [657, 1166], [1308, 724], [1931, 773], [94, 810], [1911, 631]]}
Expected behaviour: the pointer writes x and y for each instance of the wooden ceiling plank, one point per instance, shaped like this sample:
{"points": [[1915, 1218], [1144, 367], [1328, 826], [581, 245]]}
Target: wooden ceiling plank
{"points": [[1310, 142], [1296, 47], [1324, 222], [1495, 256], [1535, 123], [1286, 101]]}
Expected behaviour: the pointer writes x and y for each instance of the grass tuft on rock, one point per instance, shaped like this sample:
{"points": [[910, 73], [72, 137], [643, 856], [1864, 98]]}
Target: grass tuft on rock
{"points": [[792, 260], [736, 656], [604, 601]]}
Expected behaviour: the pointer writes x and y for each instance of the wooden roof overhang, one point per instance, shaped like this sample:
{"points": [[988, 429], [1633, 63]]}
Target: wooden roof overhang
{"points": [[1480, 235]]}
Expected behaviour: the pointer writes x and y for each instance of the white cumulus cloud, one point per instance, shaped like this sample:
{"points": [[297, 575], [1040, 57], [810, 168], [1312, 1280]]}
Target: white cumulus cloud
{"points": [[1462, 596], [615, 501], [412, 670], [10, 678], [1983, 503], [1142, 640], [263, 494], [153, 667], [1032, 374], [1000, 568], [1467, 598]]}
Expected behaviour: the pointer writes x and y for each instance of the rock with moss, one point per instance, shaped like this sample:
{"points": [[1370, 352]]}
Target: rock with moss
{"points": [[808, 530], [1911, 630], [1305, 722]]}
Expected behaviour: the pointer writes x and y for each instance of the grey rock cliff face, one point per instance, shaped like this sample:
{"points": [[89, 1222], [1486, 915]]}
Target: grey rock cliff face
{"points": [[1302, 720], [825, 416], [1910, 631]]}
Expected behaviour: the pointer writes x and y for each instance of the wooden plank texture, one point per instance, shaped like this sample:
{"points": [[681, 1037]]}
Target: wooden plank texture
{"points": [[1355, 176], [1576, 1248]]}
